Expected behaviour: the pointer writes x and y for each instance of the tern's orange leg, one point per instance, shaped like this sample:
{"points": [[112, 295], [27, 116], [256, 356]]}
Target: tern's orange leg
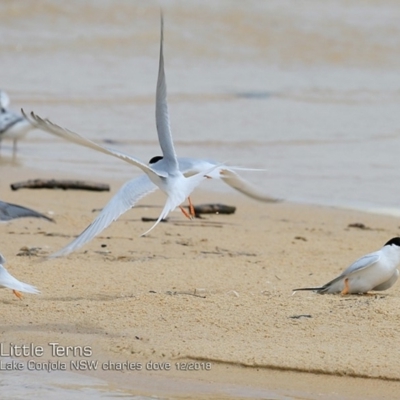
{"points": [[185, 213], [191, 208], [346, 287], [18, 294], [191, 213]]}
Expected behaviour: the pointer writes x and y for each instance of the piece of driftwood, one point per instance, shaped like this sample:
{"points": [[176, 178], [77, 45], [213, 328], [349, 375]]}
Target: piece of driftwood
{"points": [[149, 219], [60, 184], [359, 225], [300, 316], [174, 293], [214, 208]]}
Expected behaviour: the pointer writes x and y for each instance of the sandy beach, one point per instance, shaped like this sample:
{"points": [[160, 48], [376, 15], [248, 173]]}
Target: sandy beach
{"points": [[216, 290]]}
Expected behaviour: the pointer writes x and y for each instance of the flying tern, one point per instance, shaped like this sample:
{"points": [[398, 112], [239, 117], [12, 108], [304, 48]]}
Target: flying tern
{"points": [[164, 175], [10, 211], [177, 177], [7, 281], [374, 271], [12, 125]]}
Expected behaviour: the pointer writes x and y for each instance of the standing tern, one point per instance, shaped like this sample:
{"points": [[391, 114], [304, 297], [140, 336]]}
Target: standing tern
{"points": [[134, 190], [374, 271], [12, 125], [9, 282], [10, 211]]}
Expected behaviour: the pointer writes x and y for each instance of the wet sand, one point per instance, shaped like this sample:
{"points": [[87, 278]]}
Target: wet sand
{"points": [[216, 290]]}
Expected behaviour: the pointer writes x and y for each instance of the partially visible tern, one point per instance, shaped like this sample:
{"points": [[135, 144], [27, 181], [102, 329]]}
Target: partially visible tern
{"points": [[12, 125], [374, 271], [7, 281], [9, 211]]}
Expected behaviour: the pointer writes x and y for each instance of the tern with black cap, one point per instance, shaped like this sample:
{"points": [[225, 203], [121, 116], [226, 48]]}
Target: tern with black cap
{"points": [[375, 271]]}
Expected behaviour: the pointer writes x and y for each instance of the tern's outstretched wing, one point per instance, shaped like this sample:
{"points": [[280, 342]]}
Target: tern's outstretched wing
{"points": [[48, 126], [129, 194], [162, 115], [8, 281], [10, 211], [189, 166], [235, 181]]}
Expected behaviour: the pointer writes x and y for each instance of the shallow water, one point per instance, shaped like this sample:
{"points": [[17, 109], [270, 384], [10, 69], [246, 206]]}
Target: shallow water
{"points": [[74, 386], [308, 91], [63, 384]]}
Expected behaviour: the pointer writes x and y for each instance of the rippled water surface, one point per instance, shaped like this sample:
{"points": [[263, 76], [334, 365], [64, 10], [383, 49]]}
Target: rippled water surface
{"points": [[309, 90]]}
